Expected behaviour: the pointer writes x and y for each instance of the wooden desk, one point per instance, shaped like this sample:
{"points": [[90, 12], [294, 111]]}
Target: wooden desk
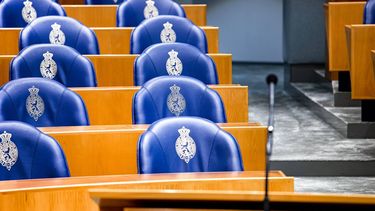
{"points": [[111, 149], [117, 69], [361, 40], [105, 15], [112, 40], [72, 193], [113, 105], [117, 199], [338, 15]]}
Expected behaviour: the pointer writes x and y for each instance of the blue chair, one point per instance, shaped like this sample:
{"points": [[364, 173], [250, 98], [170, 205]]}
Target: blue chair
{"points": [[19, 13], [29, 153], [58, 62], [132, 12], [174, 59], [166, 29], [60, 31], [168, 96], [187, 144], [369, 12], [104, 1], [41, 102]]}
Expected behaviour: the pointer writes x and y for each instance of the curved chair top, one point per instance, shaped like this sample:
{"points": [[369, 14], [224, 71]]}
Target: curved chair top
{"points": [[60, 31], [167, 29], [187, 144], [58, 62], [41, 102], [174, 59], [19, 13], [167, 96], [132, 12], [29, 153]]}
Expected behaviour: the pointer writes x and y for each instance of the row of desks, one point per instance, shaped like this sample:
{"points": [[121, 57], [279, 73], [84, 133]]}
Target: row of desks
{"points": [[112, 40], [117, 69]]}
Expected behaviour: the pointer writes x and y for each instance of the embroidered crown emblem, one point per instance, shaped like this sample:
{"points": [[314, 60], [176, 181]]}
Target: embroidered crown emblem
{"points": [[27, 3], [34, 104], [8, 151], [150, 10], [28, 11], [174, 64], [48, 67], [167, 25], [47, 55], [176, 101], [185, 145], [173, 54], [168, 35], [56, 36]]}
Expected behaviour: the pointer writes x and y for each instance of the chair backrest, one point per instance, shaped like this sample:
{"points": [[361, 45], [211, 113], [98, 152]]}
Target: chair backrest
{"points": [[58, 62], [187, 144], [106, 2], [166, 29], [27, 153], [60, 31], [168, 96], [41, 102], [132, 12], [174, 59], [369, 12], [19, 13]]}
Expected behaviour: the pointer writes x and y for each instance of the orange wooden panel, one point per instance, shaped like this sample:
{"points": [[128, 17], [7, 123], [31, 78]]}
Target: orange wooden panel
{"points": [[361, 40], [111, 149], [111, 40], [340, 14], [113, 105], [72, 193], [117, 69], [105, 15]]}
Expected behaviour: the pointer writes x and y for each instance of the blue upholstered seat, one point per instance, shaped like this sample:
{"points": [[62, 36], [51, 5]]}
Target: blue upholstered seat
{"points": [[18, 13], [61, 31], [29, 153], [41, 102], [58, 62], [166, 29], [133, 12], [187, 144], [174, 59], [104, 1], [369, 13], [167, 96]]}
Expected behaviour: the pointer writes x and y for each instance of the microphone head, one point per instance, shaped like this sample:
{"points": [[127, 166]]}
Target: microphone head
{"points": [[271, 78]]}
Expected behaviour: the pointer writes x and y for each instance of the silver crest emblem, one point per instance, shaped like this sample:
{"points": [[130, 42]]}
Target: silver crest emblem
{"points": [[56, 36], [28, 12], [8, 151], [48, 67], [150, 10], [185, 145], [34, 104], [176, 101], [174, 64], [168, 35]]}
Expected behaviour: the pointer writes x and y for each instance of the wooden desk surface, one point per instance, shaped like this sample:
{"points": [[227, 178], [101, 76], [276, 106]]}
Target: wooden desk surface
{"points": [[105, 15], [117, 198], [339, 14], [112, 40], [72, 193], [112, 149], [117, 69]]}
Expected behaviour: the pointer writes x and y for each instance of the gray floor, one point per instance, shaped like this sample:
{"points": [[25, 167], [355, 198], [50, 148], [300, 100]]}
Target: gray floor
{"points": [[300, 135]]}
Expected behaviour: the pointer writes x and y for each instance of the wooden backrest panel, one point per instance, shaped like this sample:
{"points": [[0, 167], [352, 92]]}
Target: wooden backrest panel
{"points": [[113, 105]]}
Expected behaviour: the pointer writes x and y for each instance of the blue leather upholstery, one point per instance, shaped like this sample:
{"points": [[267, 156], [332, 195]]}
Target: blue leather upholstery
{"points": [[132, 12], [103, 2], [60, 30], [369, 13], [187, 144], [29, 153], [164, 59], [72, 69], [11, 11], [151, 31], [167, 96], [41, 102]]}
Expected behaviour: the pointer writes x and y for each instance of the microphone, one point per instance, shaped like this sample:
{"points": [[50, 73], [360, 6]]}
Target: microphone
{"points": [[271, 81]]}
